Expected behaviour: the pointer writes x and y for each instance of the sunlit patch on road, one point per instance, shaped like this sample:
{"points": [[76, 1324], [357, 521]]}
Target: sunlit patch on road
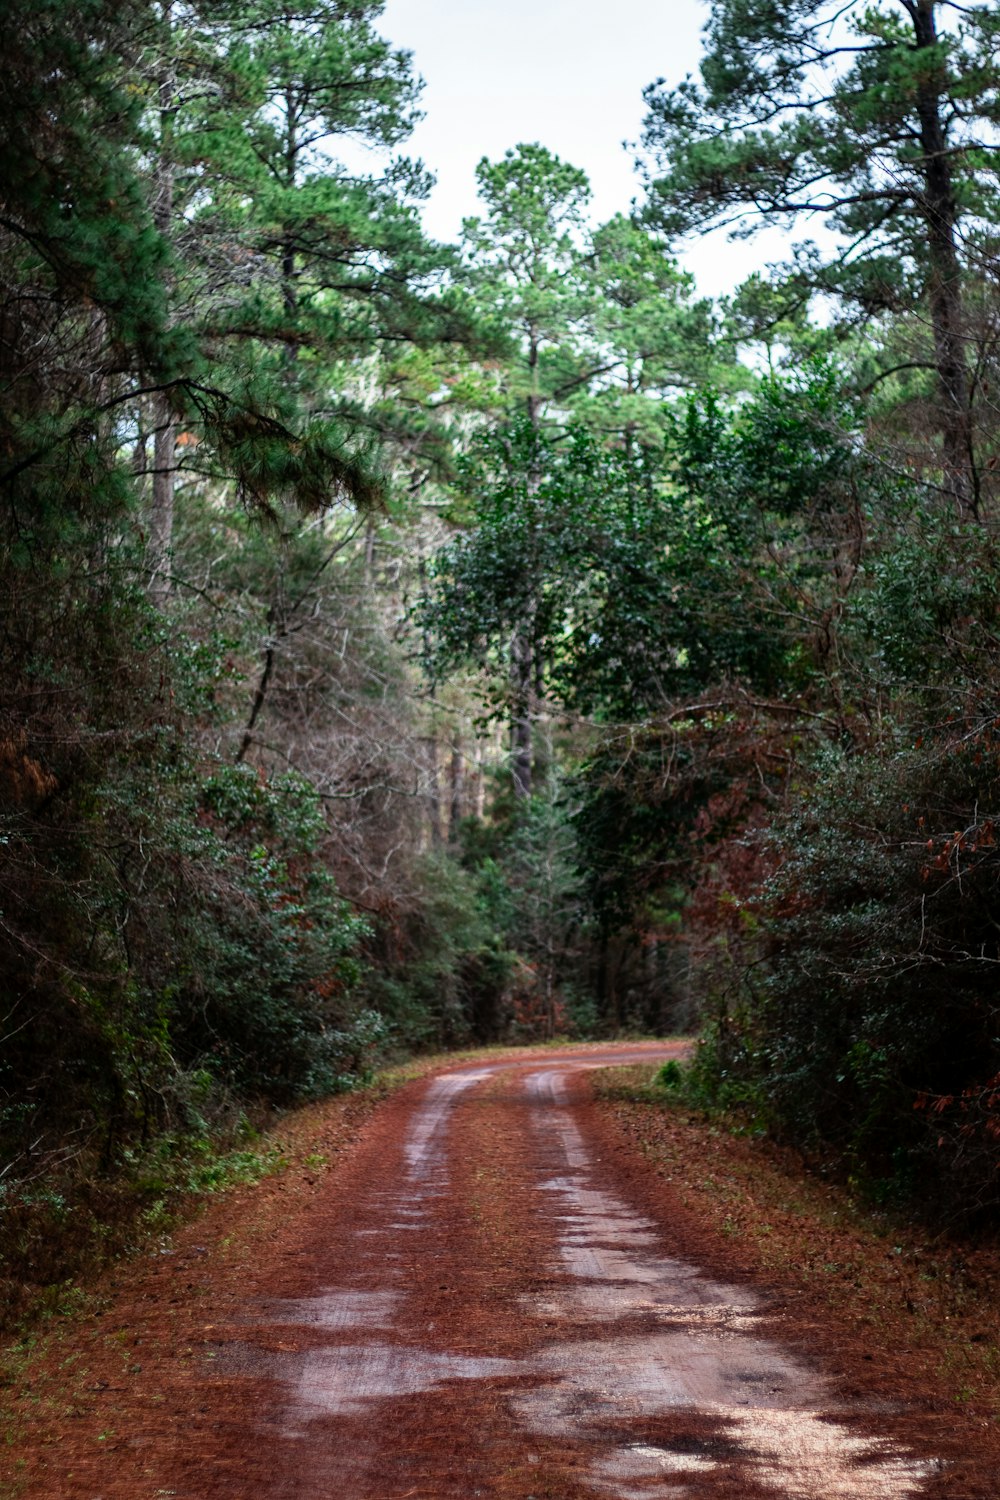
{"points": [[332, 1381], [704, 1355], [339, 1309]]}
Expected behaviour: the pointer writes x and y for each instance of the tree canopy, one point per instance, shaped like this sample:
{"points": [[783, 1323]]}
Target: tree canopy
{"points": [[877, 121]]}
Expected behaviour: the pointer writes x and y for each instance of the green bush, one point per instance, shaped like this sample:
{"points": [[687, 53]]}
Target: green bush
{"points": [[870, 1025], [670, 1075]]}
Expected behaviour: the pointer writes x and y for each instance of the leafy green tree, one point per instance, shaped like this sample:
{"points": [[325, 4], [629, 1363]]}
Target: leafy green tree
{"points": [[650, 577], [877, 118], [648, 334], [763, 316], [570, 548], [171, 941], [734, 635], [347, 249], [292, 272], [526, 266], [602, 328]]}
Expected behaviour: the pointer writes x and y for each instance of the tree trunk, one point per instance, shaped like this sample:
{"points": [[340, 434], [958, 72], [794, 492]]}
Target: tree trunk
{"points": [[140, 453], [945, 280], [521, 682], [433, 792], [161, 507], [289, 287], [263, 682], [479, 779], [456, 811], [369, 554], [525, 672]]}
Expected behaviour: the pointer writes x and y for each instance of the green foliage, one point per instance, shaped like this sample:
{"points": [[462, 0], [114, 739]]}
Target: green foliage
{"points": [[871, 1028], [440, 977], [774, 316], [526, 268], [638, 575], [559, 526], [653, 336], [780, 124], [490, 947], [880, 124], [670, 1075], [260, 971], [75, 214]]}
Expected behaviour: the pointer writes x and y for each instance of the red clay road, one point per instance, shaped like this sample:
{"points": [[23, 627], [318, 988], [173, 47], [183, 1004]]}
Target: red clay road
{"points": [[477, 1305]]}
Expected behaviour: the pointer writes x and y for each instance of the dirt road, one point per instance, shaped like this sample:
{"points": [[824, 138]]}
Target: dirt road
{"points": [[479, 1304]]}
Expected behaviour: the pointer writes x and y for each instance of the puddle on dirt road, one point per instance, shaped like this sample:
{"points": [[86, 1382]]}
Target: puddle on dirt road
{"points": [[832, 1463], [642, 1339]]}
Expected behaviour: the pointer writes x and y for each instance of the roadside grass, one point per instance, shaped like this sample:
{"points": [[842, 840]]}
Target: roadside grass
{"points": [[935, 1297], [57, 1235]]}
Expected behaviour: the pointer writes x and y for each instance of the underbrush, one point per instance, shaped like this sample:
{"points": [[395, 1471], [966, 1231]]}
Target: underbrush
{"points": [[65, 1226], [859, 1018]]}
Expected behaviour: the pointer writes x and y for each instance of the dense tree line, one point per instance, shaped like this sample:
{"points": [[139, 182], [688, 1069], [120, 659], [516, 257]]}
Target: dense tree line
{"points": [[196, 299], [771, 596], [407, 645]]}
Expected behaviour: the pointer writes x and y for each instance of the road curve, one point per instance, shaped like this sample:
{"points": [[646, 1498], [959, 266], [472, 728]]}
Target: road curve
{"points": [[483, 1312]]}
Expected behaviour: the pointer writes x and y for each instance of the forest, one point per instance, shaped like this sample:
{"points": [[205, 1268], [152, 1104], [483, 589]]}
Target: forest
{"points": [[409, 646]]}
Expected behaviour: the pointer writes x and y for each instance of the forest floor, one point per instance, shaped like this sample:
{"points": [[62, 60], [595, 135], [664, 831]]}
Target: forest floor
{"points": [[488, 1282]]}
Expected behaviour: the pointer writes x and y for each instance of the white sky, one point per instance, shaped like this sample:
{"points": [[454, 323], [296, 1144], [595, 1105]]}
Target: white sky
{"points": [[567, 73]]}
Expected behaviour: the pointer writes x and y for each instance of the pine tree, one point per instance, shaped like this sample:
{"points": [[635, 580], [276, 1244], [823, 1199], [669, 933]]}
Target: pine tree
{"points": [[651, 336], [878, 119]]}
